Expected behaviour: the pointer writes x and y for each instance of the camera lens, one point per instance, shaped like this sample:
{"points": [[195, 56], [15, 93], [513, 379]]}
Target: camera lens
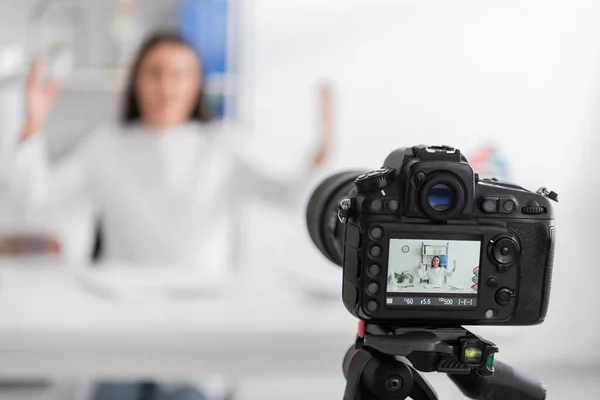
{"points": [[325, 230], [440, 197]]}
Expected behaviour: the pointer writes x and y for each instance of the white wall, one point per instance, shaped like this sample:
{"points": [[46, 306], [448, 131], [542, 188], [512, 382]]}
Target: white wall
{"points": [[400, 261]]}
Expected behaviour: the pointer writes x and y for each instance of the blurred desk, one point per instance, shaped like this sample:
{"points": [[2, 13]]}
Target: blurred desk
{"points": [[50, 326]]}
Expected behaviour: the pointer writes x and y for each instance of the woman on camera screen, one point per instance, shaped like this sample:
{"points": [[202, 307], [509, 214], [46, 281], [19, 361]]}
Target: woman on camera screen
{"points": [[436, 273]]}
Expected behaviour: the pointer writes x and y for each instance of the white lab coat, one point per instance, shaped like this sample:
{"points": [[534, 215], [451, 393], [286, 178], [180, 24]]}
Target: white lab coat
{"points": [[435, 275], [164, 197]]}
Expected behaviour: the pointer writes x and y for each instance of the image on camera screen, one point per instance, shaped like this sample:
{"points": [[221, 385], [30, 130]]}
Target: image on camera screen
{"points": [[433, 266]]}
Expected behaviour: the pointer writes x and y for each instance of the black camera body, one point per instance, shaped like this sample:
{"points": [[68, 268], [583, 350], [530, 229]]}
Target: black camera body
{"points": [[424, 242]]}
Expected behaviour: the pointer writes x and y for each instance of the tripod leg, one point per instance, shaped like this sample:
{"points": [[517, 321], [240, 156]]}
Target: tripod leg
{"points": [[505, 383], [354, 364], [422, 389]]}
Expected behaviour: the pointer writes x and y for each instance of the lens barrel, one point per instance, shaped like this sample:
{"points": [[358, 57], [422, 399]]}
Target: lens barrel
{"points": [[322, 222]]}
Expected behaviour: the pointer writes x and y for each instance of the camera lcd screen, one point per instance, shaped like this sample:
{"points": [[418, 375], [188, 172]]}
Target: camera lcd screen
{"points": [[427, 272]]}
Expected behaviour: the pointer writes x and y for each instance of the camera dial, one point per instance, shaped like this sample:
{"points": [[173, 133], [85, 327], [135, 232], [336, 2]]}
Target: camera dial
{"points": [[373, 180]]}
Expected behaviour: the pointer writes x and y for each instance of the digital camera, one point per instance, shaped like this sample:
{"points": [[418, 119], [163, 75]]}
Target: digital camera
{"points": [[423, 241]]}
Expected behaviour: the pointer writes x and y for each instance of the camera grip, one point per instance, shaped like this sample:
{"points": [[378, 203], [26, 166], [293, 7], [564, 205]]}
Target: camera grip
{"points": [[535, 270], [505, 383]]}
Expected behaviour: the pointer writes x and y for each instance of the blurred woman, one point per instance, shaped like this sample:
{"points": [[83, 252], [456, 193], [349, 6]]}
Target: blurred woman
{"points": [[163, 178]]}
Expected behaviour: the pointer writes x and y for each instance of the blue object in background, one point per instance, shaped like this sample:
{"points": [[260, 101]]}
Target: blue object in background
{"points": [[204, 24], [443, 259]]}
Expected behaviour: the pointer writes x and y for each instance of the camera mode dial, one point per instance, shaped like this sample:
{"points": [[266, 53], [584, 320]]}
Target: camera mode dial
{"points": [[373, 180]]}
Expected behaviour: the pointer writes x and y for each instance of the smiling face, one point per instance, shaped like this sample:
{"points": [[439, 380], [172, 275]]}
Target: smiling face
{"points": [[435, 262]]}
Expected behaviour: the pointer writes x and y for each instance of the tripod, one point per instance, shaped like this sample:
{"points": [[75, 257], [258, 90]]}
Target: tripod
{"points": [[385, 364]]}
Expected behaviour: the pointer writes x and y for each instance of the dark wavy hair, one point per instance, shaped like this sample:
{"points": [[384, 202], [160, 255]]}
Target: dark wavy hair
{"points": [[131, 109]]}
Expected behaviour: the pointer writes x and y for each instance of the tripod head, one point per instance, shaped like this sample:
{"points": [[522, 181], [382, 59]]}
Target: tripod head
{"points": [[386, 362]]}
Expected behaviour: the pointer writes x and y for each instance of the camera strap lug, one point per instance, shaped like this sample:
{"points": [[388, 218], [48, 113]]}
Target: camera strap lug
{"points": [[344, 210], [548, 193]]}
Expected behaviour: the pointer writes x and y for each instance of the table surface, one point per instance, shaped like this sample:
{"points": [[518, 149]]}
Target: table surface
{"points": [[51, 324], [53, 298], [49, 321]]}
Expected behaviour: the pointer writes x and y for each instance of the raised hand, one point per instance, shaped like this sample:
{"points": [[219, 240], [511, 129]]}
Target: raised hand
{"points": [[421, 264], [454, 268], [39, 98], [326, 125]]}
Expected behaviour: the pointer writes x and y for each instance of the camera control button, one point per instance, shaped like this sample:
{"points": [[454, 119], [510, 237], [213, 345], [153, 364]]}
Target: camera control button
{"points": [[419, 178], [372, 288], [505, 296], [492, 282], [372, 306], [393, 205], [509, 206], [376, 205], [490, 205], [375, 251], [503, 252], [374, 270], [376, 233]]}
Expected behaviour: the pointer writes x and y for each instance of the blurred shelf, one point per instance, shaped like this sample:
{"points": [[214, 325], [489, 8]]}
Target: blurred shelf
{"points": [[81, 79], [96, 79]]}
